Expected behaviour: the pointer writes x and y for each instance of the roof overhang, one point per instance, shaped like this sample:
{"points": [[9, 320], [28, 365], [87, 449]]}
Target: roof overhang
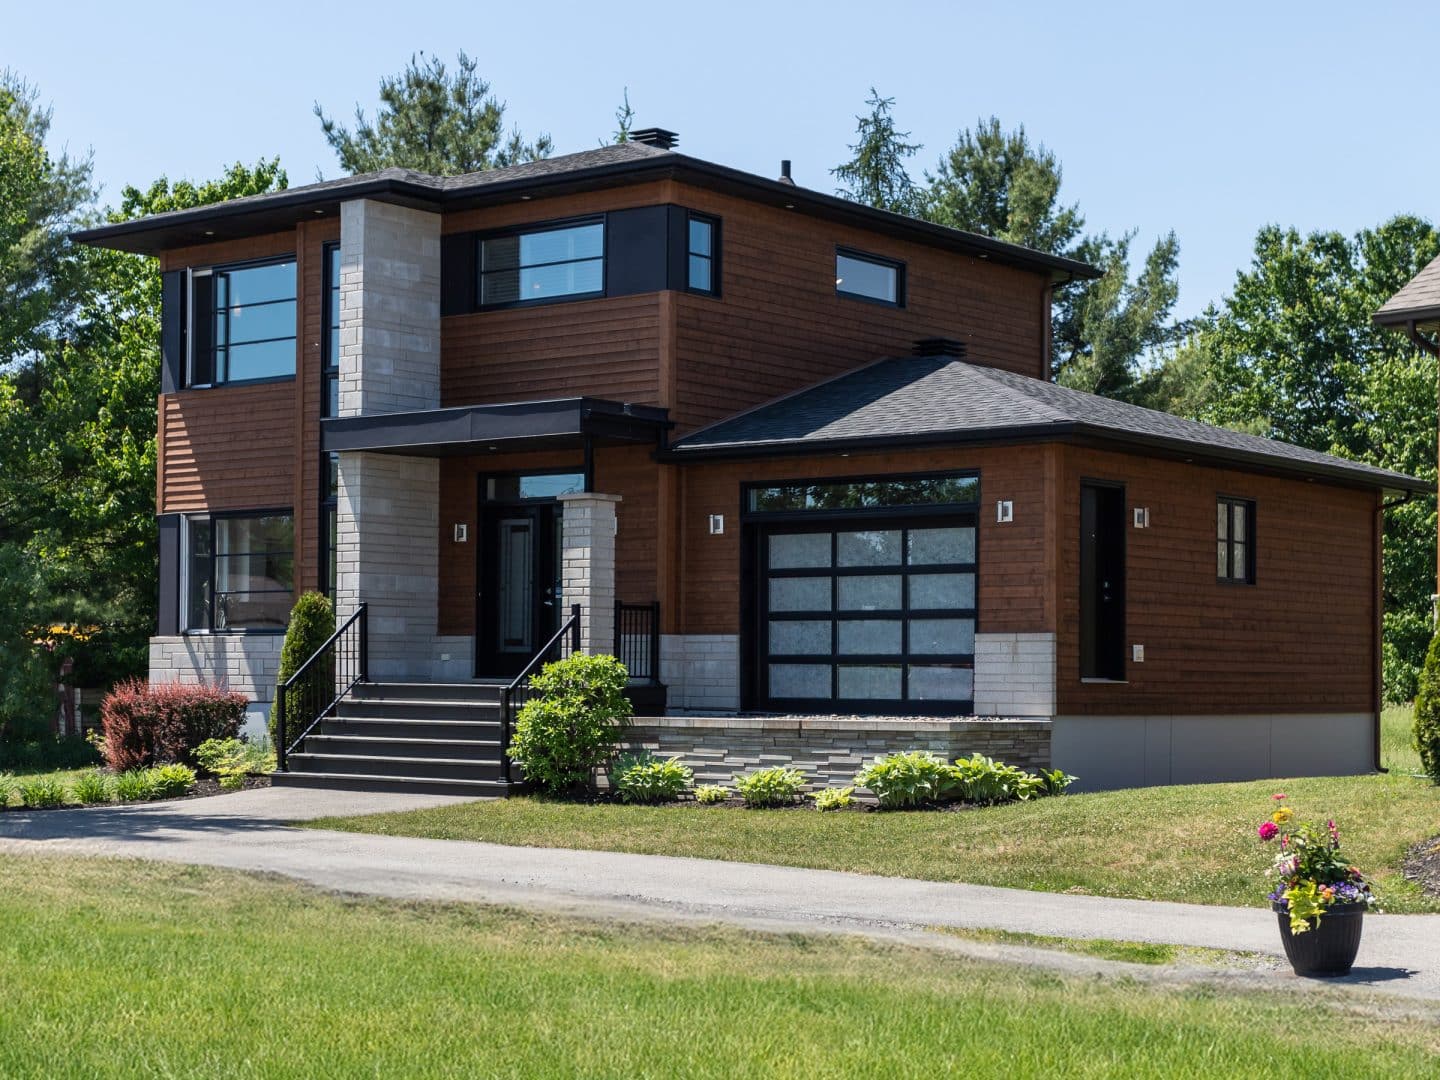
{"points": [[478, 429], [256, 215], [1424, 318], [1073, 432]]}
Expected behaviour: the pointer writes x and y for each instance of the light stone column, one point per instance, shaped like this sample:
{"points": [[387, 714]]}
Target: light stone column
{"points": [[388, 517], [587, 578]]}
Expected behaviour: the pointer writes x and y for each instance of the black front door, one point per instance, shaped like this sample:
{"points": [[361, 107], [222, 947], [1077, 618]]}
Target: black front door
{"points": [[518, 577], [1102, 581]]}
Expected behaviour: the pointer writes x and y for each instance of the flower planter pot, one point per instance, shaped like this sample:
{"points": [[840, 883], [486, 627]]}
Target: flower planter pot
{"points": [[1328, 948]]}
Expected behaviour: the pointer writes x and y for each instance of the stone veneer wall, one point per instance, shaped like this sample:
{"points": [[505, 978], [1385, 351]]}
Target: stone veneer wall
{"points": [[701, 671], [1015, 674], [248, 663], [830, 749], [587, 573]]}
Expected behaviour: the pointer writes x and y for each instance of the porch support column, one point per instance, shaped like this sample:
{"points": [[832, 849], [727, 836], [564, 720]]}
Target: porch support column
{"points": [[587, 577]]}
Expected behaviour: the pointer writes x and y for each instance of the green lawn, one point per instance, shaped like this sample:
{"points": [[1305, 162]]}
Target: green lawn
{"points": [[1191, 843], [128, 969]]}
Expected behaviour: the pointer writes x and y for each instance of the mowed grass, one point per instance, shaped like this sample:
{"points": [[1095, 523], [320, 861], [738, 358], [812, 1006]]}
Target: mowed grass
{"points": [[116, 969], [1131, 952], [1191, 843]]}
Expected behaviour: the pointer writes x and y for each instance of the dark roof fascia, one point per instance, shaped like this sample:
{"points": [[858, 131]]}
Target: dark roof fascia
{"points": [[1061, 431], [1399, 317], [463, 429], [177, 228]]}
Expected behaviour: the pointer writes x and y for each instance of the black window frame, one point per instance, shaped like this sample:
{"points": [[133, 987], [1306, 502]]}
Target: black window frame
{"points": [[1231, 502], [330, 346], [212, 516], [756, 528], [193, 338], [898, 265], [713, 258], [328, 554], [529, 229]]}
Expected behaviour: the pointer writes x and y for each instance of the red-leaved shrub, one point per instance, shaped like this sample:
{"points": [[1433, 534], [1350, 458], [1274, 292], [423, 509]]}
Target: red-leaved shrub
{"points": [[164, 723]]}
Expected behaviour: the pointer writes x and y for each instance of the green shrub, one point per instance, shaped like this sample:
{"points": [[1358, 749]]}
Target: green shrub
{"points": [[571, 725], [171, 781], [908, 778], [1426, 734], [94, 787], [7, 789], [1055, 780], [709, 794], [645, 778], [135, 785], [63, 752], [231, 760], [42, 792], [312, 623], [834, 798], [776, 786]]}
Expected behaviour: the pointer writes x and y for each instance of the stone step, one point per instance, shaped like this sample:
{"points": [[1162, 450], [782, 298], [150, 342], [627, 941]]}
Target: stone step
{"points": [[485, 727], [417, 709], [427, 768], [415, 691]]}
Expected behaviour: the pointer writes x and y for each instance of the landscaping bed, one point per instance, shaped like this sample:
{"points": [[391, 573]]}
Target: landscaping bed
{"points": [[117, 968], [1422, 866]]}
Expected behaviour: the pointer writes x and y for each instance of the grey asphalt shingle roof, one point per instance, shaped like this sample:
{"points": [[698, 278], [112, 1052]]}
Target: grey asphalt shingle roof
{"points": [[939, 399], [1420, 299]]}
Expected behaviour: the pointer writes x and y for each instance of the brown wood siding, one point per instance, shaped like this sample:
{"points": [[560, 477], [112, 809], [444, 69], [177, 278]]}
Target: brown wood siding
{"points": [[779, 325], [1014, 590], [1302, 638], [231, 448], [625, 471]]}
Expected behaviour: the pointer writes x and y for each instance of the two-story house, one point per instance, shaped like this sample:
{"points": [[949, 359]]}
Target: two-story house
{"points": [[792, 457]]}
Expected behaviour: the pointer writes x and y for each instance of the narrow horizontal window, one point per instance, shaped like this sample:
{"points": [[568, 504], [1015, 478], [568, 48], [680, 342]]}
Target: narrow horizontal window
{"points": [[1235, 541], [821, 495], [869, 277], [545, 264]]}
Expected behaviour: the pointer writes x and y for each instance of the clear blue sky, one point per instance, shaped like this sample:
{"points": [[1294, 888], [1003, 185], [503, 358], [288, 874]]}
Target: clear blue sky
{"points": [[1212, 119]]}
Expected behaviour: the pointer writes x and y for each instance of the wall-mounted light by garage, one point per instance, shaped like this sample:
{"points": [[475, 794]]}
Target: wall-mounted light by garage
{"points": [[717, 524]]}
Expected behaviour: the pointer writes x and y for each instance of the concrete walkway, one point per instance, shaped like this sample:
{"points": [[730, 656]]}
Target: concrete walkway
{"points": [[247, 831]]}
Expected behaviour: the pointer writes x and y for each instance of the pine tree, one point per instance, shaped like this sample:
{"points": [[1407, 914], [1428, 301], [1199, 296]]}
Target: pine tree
{"points": [[875, 175]]}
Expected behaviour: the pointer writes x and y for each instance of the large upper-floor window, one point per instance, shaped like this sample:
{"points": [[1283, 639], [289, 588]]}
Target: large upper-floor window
{"points": [[542, 264], [869, 277], [242, 323], [238, 571]]}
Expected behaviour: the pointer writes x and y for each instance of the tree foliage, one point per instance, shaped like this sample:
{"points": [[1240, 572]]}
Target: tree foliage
{"points": [[432, 119], [1426, 734], [876, 174], [1292, 354]]}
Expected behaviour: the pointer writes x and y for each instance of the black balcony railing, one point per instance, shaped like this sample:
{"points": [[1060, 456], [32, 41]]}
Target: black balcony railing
{"points": [[637, 640]]}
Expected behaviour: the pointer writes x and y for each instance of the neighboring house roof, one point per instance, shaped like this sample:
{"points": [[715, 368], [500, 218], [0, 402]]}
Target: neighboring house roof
{"points": [[1417, 302], [622, 163], [927, 400]]}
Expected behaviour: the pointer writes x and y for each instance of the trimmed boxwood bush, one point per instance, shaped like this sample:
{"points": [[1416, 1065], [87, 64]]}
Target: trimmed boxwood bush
{"points": [[1426, 733], [312, 623], [572, 724], [165, 723]]}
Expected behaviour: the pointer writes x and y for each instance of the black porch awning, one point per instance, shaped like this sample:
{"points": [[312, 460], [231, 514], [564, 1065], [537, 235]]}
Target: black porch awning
{"points": [[515, 425]]}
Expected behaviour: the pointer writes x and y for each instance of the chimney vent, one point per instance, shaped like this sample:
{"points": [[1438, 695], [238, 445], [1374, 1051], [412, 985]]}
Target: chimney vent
{"points": [[785, 172], [665, 140], [939, 346]]}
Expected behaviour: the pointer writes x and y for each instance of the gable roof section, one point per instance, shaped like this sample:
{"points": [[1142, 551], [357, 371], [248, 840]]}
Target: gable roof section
{"points": [[921, 401], [1418, 301], [607, 166]]}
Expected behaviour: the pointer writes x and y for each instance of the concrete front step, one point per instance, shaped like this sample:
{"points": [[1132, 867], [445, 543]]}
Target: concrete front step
{"points": [[417, 709], [429, 768], [415, 785], [386, 746], [445, 692], [401, 728]]}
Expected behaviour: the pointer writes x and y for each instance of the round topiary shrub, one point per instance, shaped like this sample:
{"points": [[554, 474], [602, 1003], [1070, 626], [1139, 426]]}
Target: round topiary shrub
{"points": [[572, 724], [1427, 712], [312, 622]]}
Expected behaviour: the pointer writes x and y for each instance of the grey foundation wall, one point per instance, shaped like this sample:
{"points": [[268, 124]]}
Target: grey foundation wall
{"points": [[830, 750], [1137, 751], [246, 663]]}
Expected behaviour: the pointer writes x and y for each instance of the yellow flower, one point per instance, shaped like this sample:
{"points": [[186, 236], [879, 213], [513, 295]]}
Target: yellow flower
{"points": [[1281, 816]]}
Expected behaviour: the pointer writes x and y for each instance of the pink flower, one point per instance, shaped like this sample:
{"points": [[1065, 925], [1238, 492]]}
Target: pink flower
{"points": [[1280, 796], [1267, 830]]}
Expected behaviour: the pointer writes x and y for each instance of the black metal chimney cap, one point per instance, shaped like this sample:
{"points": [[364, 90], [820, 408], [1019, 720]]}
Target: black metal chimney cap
{"points": [[665, 140], [938, 346]]}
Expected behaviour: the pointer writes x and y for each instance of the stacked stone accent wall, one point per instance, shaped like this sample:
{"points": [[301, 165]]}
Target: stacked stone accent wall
{"points": [[830, 750], [1015, 675], [701, 671], [587, 578], [246, 663]]}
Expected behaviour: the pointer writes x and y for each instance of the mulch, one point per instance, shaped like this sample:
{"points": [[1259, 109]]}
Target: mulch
{"points": [[1422, 865]]}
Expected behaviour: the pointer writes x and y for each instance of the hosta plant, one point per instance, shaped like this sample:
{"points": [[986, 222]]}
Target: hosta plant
{"points": [[778, 785], [1311, 872], [710, 794], [834, 798], [645, 778], [907, 779], [171, 781]]}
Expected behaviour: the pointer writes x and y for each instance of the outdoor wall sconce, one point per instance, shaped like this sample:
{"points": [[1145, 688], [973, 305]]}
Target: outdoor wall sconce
{"points": [[1004, 511], [717, 524], [1142, 517], [462, 532]]}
